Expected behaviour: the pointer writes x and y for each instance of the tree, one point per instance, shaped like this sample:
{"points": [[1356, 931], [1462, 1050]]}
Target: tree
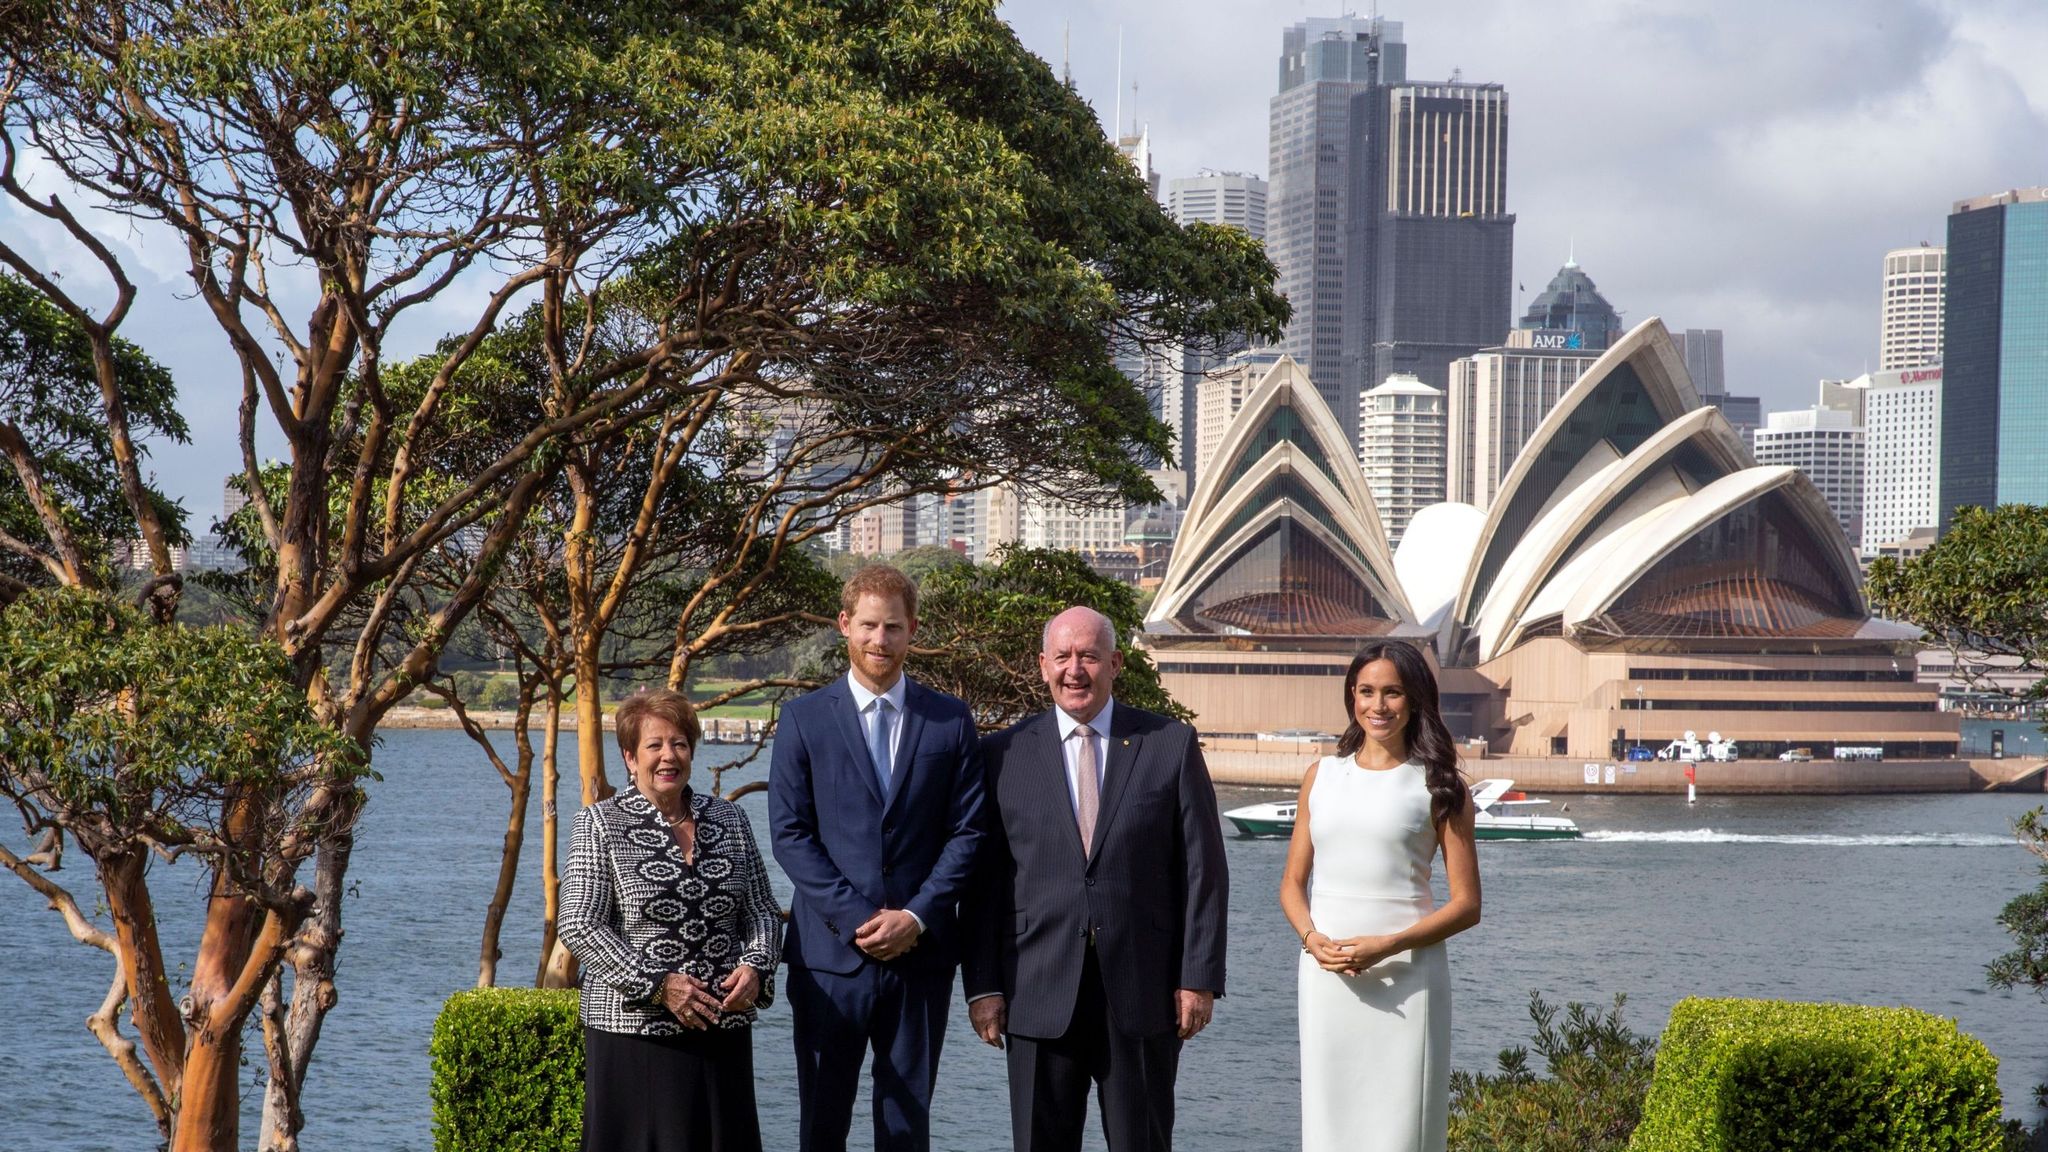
{"points": [[884, 218], [980, 629], [1590, 1100], [145, 741], [60, 454], [1981, 592]]}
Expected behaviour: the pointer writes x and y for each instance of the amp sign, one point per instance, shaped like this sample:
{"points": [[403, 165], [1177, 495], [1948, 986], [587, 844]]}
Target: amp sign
{"points": [[1558, 339]]}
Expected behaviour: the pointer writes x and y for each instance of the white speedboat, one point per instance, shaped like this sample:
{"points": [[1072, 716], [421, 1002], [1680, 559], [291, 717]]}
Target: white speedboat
{"points": [[1505, 814], [1274, 819]]}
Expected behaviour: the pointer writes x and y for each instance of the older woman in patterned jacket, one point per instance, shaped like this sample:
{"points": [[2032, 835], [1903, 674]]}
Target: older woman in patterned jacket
{"points": [[666, 905]]}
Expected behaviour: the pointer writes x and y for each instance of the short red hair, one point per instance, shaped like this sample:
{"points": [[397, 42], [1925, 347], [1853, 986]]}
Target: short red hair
{"points": [[882, 580]]}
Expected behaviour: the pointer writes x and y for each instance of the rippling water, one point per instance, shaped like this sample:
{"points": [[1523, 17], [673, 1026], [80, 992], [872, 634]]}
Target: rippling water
{"points": [[1879, 900]]}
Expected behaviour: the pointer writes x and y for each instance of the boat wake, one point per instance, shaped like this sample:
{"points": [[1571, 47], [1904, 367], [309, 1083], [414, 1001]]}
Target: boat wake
{"points": [[1709, 836]]}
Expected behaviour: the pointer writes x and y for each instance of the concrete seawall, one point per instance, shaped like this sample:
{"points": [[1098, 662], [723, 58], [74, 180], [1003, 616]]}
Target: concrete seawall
{"points": [[1280, 764]]}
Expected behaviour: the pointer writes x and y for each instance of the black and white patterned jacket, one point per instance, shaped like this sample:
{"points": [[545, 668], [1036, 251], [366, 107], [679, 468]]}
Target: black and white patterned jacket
{"points": [[633, 910]]}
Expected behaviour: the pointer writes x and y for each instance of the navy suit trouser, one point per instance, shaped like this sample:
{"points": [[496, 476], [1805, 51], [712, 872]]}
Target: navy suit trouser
{"points": [[836, 1019]]}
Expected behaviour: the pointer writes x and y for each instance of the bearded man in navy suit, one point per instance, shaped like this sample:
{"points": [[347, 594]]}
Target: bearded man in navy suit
{"points": [[874, 800], [1097, 918]]}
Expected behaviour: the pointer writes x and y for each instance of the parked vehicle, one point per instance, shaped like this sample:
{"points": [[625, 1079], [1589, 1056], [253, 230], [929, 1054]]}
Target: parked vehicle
{"points": [[1796, 755], [1691, 747]]}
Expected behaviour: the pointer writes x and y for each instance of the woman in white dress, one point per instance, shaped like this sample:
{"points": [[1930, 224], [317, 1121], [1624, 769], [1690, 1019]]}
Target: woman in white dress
{"points": [[1374, 984]]}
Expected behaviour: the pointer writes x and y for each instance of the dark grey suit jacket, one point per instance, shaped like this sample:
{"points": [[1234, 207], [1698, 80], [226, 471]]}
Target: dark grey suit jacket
{"points": [[1154, 895]]}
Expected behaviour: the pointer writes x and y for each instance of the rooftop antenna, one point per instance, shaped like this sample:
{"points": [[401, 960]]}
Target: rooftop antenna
{"points": [[1067, 54]]}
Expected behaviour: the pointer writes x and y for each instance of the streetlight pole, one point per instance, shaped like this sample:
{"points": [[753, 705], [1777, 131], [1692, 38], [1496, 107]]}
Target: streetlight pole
{"points": [[1639, 717]]}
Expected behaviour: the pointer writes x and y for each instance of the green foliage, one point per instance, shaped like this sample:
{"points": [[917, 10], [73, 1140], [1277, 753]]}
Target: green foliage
{"points": [[1981, 590], [2026, 918], [118, 726], [50, 397], [507, 1072], [1589, 1100], [980, 629], [1756, 1075]]}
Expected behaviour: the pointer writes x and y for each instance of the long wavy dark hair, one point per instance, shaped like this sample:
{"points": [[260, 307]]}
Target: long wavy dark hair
{"points": [[1428, 740]]}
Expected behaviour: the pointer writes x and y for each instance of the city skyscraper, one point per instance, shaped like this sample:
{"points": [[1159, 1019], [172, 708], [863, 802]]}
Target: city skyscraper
{"points": [[1436, 236], [1914, 280], [1496, 400], [1901, 456], [1388, 217], [1700, 348], [1571, 306], [1233, 198], [1994, 398], [1401, 448], [1827, 445], [1317, 148]]}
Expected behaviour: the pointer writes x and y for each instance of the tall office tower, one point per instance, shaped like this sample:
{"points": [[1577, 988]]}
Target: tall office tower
{"points": [[1901, 456], [1994, 396], [232, 498], [1497, 397], [1401, 448], [1700, 348], [1328, 69], [1218, 396], [1232, 198], [1571, 313], [1826, 444], [1432, 227], [1913, 283]]}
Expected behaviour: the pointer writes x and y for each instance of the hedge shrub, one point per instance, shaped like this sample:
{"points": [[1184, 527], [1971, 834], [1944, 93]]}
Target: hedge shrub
{"points": [[508, 1072], [1752, 1075]]}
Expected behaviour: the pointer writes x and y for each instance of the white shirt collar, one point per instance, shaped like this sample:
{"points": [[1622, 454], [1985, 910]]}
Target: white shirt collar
{"points": [[863, 699], [1099, 725]]}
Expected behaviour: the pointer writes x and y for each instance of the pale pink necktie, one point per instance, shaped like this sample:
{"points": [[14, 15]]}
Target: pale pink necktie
{"points": [[1087, 791]]}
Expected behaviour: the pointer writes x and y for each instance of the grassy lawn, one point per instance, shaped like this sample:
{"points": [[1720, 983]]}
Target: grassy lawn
{"points": [[752, 706]]}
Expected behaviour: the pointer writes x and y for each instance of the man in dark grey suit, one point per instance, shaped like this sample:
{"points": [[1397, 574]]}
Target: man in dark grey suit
{"points": [[1096, 921]]}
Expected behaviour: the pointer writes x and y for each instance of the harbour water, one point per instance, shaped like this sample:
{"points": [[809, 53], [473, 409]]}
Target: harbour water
{"points": [[1879, 900]]}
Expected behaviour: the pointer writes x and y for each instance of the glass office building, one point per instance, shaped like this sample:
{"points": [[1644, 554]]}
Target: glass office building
{"points": [[1994, 411]]}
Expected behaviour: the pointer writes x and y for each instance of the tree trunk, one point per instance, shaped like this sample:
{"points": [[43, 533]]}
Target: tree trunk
{"points": [[312, 956], [551, 835], [210, 1104], [123, 879], [521, 787]]}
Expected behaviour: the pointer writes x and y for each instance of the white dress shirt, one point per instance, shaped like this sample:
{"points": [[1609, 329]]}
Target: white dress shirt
{"points": [[1070, 750], [864, 703]]}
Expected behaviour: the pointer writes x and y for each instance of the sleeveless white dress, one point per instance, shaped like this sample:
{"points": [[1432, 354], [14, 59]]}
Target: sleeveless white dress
{"points": [[1375, 1047]]}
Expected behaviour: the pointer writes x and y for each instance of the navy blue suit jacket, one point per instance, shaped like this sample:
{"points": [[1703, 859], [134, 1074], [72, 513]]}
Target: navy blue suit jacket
{"points": [[851, 851], [1153, 894]]}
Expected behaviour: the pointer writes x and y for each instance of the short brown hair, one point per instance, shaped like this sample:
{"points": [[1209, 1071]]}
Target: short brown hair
{"points": [[661, 704], [879, 580]]}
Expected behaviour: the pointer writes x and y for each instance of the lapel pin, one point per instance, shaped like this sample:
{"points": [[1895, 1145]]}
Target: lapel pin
{"points": [[1127, 743]]}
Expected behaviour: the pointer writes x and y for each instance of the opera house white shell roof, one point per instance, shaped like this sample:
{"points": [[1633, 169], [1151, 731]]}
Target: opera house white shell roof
{"points": [[1633, 515]]}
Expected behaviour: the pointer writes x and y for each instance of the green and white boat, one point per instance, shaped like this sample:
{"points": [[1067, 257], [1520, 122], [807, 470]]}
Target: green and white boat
{"points": [[1503, 814]]}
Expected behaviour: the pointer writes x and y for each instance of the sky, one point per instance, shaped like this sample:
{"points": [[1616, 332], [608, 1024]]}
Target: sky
{"points": [[1741, 165]]}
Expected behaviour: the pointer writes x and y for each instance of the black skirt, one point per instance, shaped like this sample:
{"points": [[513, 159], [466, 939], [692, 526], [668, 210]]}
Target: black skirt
{"points": [[688, 1093]]}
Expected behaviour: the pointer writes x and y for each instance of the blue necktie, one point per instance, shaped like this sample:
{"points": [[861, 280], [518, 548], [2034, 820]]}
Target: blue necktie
{"points": [[883, 716]]}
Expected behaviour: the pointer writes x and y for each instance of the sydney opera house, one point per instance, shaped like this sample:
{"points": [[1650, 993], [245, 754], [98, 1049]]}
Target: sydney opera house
{"points": [[1637, 576]]}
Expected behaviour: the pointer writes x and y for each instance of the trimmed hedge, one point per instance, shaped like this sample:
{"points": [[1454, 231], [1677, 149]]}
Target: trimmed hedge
{"points": [[1752, 1075], [508, 1072]]}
